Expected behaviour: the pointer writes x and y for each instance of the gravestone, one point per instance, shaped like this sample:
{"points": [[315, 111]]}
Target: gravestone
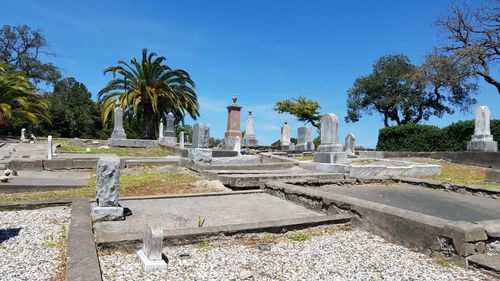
{"points": [[181, 139], [249, 139], [151, 252], [234, 143], [160, 131], [200, 155], [285, 137], [233, 123], [169, 135], [49, 147], [482, 140], [107, 189], [330, 151], [201, 134], [118, 131], [349, 144], [23, 134], [304, 139]]}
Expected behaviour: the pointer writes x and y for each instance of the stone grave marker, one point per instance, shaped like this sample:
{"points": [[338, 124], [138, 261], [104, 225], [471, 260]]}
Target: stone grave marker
{"points": [[285, 136], [249, 139], [201, 134], [150, 254], [330, 151], [169, 135], [482, 140], [304, 139], [350, 142], [118, 131], [107, 189], [181, 139]]}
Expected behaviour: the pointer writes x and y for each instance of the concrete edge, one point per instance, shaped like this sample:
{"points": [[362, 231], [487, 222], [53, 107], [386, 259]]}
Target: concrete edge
{"points": [[460, 188], [30, 205], [82, 262], [191, 235], [190, 195]]}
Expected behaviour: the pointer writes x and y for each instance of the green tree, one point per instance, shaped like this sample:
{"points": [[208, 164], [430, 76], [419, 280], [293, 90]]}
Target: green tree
{"points": [[406, 94], [18, 101], [304, 109], [148, 90], [23, 49], [74, 113], [474, 38]]}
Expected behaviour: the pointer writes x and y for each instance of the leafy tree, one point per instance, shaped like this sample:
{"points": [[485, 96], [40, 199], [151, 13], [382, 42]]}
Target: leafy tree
{"points": [[148, 90], [474, 38], [304, 109], [74, 113], [406, 94], [23, 48], [18, 101]]}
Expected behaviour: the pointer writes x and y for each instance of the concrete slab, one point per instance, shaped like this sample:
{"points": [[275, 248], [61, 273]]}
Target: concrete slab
{"points": [[184, 212], [31, 181], [445, 205], [239, 181]]}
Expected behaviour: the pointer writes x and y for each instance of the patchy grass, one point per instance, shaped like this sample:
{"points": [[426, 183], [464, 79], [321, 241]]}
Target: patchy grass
{"points": [[456, 173], [136, 181], [205, 245], [304, 158], [299, 236], [67, 147]]}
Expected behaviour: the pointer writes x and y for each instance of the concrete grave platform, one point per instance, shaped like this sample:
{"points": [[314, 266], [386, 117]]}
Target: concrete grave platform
{"points": [[247, 181], [31, 181], [224, 213]]}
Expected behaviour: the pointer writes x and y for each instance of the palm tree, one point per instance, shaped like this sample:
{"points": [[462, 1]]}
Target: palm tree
{"points": [[149, 90], [18, 100]]}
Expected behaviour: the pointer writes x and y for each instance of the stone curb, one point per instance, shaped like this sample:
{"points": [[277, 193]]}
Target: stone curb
{"points": [[191, 235], [201, 194], [30, 205], [82, 263], [459, 188], [407, 228]]}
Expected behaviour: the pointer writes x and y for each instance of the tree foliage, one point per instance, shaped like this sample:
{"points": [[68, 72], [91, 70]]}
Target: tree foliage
{"points": [[74, 113], [148, 90], [474, 38], [18, 101], [304, 109], [23, 49], [406, 94]]}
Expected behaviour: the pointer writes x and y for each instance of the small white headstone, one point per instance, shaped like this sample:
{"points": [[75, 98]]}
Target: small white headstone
{"points": [[350, 142], [23, 134], [285, 135], [49, 147], [482, 140], [151, 253], [181, 139], [160, 131]]}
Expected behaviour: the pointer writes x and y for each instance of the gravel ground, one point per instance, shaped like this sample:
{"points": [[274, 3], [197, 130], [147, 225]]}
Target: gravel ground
{"points": [[31, 242], [331, 255]]}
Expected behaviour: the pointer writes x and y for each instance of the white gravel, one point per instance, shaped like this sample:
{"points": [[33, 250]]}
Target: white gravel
{"points": [[30, 243], [344, 255]]}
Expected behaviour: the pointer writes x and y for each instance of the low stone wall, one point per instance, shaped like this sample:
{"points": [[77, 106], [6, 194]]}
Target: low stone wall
{"points": [[452, 240], [132, 143], [493, 175], [483, 159]]}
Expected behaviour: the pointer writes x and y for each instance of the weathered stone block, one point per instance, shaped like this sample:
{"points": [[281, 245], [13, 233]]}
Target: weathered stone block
{"points": [[107, 178], [151, 253], [201, 134], [200, 155], [107, 213], [330, 157]]}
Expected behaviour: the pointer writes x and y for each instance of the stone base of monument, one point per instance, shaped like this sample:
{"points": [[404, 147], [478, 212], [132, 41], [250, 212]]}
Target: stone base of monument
{"points": [[330, 157], [107, 213], [151, 265], [249, 141], [305, 146], [170, 141], [290, 147], [483, 146], [132, 142], [200, 155]]}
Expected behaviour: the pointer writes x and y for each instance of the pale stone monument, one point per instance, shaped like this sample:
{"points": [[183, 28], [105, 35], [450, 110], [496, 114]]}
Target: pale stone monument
{"points": [[233, 124], [181, 139], [249, 139], [200, 155], [23, 134], [330, 151], [201, 134], [160, 131], [150, 254], [349, 144], [304, 139], [118, 131], [482, 140], [107, 189], [169, 135], [49, 147], [285, 137]]}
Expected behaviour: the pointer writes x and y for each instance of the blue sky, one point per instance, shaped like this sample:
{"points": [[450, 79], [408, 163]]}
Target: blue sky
{"points": [[262, 51]]}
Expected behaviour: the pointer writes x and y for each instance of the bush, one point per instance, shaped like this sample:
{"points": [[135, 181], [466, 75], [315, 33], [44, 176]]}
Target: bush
{"points": [[423, 138]]}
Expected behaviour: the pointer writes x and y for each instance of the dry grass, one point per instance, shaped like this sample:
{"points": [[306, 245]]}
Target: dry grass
{"points": [[456, 173], [136, 181]]}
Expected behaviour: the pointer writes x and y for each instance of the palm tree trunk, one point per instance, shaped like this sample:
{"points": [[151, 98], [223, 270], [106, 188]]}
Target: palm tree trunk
{"points": [[148, 126]]}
